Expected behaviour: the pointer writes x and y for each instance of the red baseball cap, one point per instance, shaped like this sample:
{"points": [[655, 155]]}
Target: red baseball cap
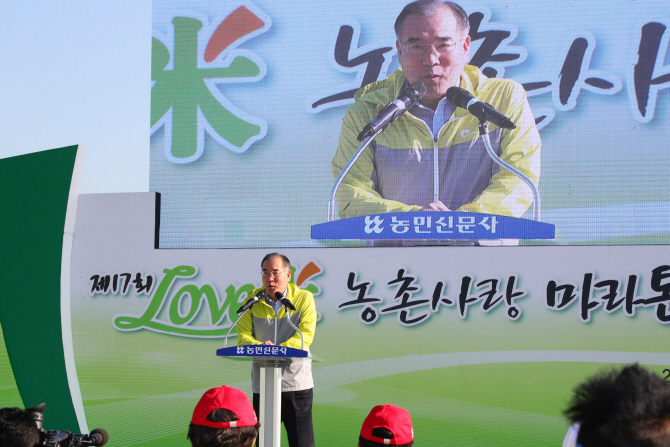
{"points": [[393, 418], [224, 397]]}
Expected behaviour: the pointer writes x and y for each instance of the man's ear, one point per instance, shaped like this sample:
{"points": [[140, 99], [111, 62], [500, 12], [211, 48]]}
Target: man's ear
{"points": [[466, 45]]}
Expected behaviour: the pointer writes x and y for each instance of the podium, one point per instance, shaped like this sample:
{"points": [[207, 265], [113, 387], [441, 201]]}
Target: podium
{"points": [[271, 358], [434, 225]]}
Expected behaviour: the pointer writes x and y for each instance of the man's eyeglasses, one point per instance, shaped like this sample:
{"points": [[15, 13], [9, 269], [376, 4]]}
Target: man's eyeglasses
{"points": [[272, 273], [442, 47]]}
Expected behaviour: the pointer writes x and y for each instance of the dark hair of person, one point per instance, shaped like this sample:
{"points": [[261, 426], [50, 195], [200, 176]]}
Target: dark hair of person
{"points": [[629, 407], [381, 432], [202, 436], [428, 8], [17, 428], [270, 256]]}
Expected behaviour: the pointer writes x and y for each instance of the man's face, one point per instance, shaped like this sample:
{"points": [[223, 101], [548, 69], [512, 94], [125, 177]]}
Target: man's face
{"points": [[275, 276], [436, 70]]}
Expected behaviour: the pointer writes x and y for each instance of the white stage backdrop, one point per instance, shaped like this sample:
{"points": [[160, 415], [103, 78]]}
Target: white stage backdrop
{"points": [[482, 346]]}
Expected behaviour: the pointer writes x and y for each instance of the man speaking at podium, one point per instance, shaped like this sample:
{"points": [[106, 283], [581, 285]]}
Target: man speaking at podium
{"points": [[267, 323], [432, 158]]}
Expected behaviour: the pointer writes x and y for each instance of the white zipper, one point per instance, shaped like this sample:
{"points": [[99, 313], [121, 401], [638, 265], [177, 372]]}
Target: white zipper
{"points": [[436, 170], [436, 164]]}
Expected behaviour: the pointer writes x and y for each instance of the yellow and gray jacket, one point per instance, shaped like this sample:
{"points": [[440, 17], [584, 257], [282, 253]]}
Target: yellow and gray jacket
{"points": [[261, 324], [405, 168]]}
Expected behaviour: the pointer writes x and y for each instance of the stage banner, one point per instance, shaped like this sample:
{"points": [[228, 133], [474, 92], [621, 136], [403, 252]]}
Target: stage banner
{"points": [[247, 102], [482, 346]]}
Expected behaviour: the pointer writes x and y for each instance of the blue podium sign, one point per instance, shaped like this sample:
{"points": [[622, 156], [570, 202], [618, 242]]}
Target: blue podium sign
{"points": [[261, 351], [433, 225]]}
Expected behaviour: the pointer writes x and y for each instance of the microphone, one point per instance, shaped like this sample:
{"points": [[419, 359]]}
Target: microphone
{"points": [[406, 99], [485, 112], [249, 304], [285, 301]]}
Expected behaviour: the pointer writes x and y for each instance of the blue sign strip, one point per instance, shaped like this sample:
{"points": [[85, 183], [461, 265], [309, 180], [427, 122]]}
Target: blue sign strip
{"points": [[433, 225], [261, 351]]}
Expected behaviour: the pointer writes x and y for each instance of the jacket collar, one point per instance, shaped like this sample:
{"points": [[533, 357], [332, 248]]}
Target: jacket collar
{"points": [[381, 92]]}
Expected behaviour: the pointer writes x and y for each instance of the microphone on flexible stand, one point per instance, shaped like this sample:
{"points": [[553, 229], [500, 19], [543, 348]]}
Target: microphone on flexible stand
{"points": [[485, 112], [289, 305], [406, 99], [393, 110], [285, 301], [249, 304], [246, 307]]}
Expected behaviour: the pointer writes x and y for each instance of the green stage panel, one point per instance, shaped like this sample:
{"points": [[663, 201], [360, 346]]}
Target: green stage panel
{"points": [[39, 203]]}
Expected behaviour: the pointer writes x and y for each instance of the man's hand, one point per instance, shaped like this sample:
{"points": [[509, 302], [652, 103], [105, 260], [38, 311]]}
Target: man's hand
{"points": [[268, 342], [435, 206]]}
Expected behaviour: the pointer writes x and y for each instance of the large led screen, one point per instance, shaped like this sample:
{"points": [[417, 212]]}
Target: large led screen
{"points": [[248, 100]]}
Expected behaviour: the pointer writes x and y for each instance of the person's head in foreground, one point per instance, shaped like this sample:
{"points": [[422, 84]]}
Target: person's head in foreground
{"points": [[223, 417], [387, 425], [17, 428], [629, 407]]}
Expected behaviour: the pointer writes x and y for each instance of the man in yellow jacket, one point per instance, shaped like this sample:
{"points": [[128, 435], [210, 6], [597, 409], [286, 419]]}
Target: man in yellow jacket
{"points": [[432, 158], [267, 323]]}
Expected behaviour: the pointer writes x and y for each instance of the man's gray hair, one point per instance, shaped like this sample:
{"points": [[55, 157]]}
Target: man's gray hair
{"points": [[270, 256], [428, 8]]}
